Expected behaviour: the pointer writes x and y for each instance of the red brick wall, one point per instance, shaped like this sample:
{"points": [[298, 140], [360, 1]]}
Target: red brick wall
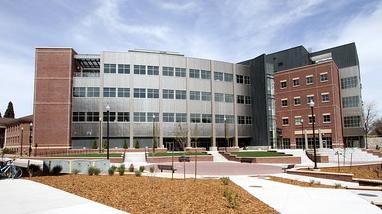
{"points": [[326, 175]]}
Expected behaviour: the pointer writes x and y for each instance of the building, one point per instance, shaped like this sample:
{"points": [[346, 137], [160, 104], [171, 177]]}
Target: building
{"points": [[150, 92], [16, 134]]}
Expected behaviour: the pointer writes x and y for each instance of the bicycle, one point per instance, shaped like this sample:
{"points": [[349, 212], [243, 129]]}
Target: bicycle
{"points": [[10, 170]]}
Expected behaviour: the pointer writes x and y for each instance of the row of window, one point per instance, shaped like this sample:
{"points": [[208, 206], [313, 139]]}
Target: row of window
{"points": [[154, 93], [298, 120], [167, 117], [309, 80], [297, 100]]}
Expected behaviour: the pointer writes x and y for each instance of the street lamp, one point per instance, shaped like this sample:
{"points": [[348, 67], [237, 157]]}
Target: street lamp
{"points": [[30, 138], [108, 118], [225, 133], [153, 133], [314, 137], [302, 133], [21, 144]]}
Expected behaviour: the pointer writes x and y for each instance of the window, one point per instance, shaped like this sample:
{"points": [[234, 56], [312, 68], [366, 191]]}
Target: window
{"points": [[168, 117], [205, 74], [349, 82], [92, 116], [312, 119], [218, 76], [109, 68], [283, 84], [140, 69], [228, 77], [286, 143], [280, 64], [230, 119], [78, 116], [123, 69], [228, 98], [139, 93], [150, 116], [240, 119], [79, 92], [309, 80], [194, 95], [206, 118], [194, 73], [195, 118], [168, 94], [350, 102], [300, 143], [285, 121], [139, 116], [352, 121], [181, 117], [123, 117], [180, 72], [296, 82], [123, 92], [240, 99], [325, 97], [284, 102], [168, 71], [247, 80], [297, 101], [93, 91], [248, 120], [153, 70], [240, 79], [326, 118], [324, 77], [109, 92], [219, 118], [111, 116], [310, 98], [297, 120], [180, 95], [153, 93], [248, 100], [219, 97], [206, 96]]}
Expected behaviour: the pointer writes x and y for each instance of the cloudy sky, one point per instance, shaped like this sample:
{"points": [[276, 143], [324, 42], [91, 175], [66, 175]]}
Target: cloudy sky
{"points": [[224, 30]]}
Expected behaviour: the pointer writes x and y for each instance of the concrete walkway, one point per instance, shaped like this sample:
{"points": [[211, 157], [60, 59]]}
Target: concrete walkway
{"points": [[217, 156]]}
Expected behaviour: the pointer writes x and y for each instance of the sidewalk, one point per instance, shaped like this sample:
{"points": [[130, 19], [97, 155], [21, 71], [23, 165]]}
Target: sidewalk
{"points": [[23, 196]]}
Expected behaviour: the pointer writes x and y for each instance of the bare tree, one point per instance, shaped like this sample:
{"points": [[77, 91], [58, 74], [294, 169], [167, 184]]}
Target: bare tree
{"points": [[181, 135], [370, 114]]}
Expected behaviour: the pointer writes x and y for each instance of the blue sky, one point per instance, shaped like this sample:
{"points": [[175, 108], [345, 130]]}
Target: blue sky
{"points": [[225, 30]]}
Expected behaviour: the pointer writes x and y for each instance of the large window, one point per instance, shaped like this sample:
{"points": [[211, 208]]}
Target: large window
{"points": [[228, 98], [180, 95], [230, 118], [350, 102], [168, 94], [140, 69], [139, 93], [181, 117], [109, 68], [79, 92], [248, 100], [93, 92], [194, 73], [240, 99], [240, 79], [152, 93], [123, 92], [150, 116], [300, 143], [219, 97], [111, 116], [349, 82], [205, 74], [195, 118], [240, 119], [206, 118], [206, 96], [286, 143], [123, 117], [352, 121], [248, 120], [168, 117], [247, 80], [153, 70], [180, 72], [168, 71], [194, 95], [123, 69], [218, 76], [92, 116], [109, 92], [228, 77], [78, 116], [219, 118], [139, 116]]}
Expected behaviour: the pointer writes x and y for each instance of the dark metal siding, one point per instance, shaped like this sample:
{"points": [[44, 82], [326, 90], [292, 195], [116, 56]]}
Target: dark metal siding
{"points": [[344, 55]]}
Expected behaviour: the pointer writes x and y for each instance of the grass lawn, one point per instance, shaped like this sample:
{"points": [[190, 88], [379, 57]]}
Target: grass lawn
{"points": [[258, 154], [91, 155], [175, 154]]}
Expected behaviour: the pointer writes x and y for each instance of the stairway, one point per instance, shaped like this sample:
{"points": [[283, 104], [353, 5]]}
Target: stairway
{"points": [[351, 154], [133, 157]]}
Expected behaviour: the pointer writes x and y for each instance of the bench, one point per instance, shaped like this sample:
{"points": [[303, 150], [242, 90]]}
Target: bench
{"points": [[246, 160], [184, 159], [166, 167], [290, 166]]}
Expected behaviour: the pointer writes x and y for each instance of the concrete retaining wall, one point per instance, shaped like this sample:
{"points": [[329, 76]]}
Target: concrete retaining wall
{"points": [[373, 142], [82, 165]]}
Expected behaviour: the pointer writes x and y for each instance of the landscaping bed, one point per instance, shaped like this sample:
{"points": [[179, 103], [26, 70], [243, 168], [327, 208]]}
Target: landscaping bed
{"points": [[136, 195]]}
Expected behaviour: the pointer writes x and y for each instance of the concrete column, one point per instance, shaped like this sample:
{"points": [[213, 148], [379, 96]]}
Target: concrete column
{"points": [[320, 138], [306, 139]]}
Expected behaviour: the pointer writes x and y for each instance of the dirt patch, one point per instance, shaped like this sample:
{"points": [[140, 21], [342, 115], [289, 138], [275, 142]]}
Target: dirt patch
{"points": [[136, 194], [302, 183], [358, 172]]}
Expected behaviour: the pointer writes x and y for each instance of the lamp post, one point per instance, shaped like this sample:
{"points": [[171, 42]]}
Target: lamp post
{"points": [[225, 133], [302, 133], [30, 139], [107, 131], [314, 136], [21, 144], [153, 134]]}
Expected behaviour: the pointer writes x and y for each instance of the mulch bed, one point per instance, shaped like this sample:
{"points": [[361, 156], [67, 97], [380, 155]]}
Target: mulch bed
{"points": [[136, 194]]}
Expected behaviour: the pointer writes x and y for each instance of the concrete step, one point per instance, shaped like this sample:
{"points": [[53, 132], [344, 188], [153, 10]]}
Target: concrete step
{"points": [[135, 157]]}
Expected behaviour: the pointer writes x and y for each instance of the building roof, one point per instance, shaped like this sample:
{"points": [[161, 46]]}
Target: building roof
{"points": [[5, 122]]}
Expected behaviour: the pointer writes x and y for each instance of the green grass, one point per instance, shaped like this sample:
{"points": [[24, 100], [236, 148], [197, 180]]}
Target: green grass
{"points": [[91, 155], [175, 154], [258, 154]]}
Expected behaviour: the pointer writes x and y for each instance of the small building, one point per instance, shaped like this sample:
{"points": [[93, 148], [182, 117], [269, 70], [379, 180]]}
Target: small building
{"points": [[16, 134]]}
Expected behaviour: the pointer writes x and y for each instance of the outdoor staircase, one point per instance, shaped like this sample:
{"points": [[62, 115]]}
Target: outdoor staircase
{"points": [[351, 154], [298, 153]]}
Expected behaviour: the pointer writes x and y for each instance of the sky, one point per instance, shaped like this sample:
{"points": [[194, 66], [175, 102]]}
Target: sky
{"points": [[223, 30]]}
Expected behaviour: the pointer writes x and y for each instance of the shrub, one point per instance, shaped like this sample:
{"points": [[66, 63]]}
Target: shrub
{"points": [[95, 145], [137, 144], [91, 171], [34, 168], [97, 171], [138, 173], [141, 168], [152, 168], [337, 185], [232, 201], [121, 169], [75, 171], [57, 169], [225, 180], [111, 171], [131, 168]]}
